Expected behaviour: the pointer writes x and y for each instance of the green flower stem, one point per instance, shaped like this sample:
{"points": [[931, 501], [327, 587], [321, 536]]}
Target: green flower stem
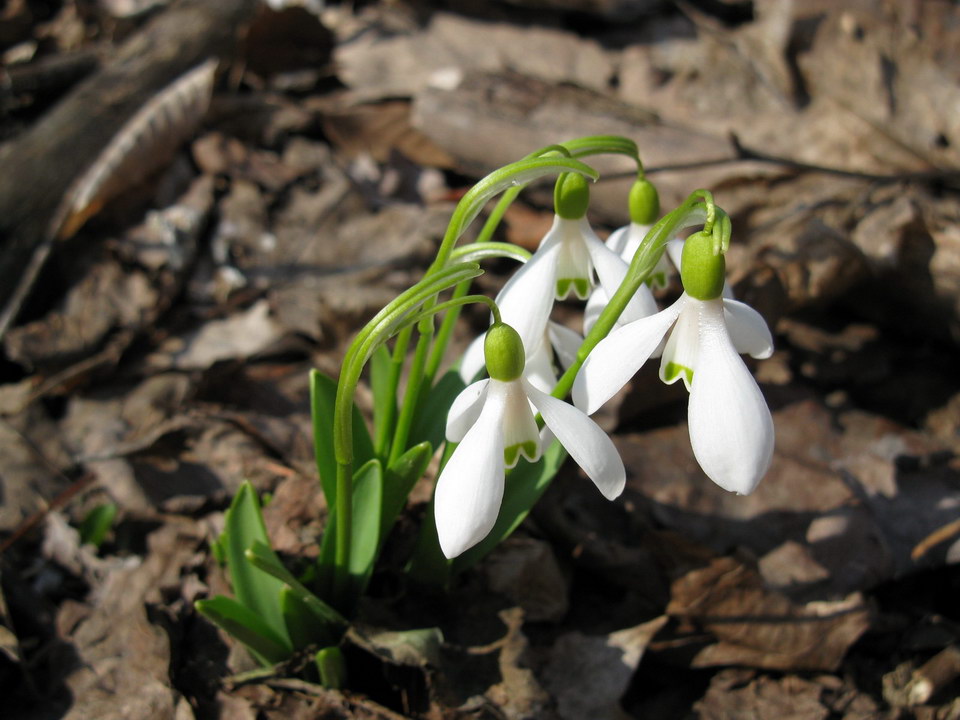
{"points": [[397, 359], [411, 397], [386, 323], [697, 209]]}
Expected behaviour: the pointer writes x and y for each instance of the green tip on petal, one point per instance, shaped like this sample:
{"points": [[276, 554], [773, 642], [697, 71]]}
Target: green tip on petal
{"points": [[503, 350], [571, 195], [701, 270], [644, 202]]}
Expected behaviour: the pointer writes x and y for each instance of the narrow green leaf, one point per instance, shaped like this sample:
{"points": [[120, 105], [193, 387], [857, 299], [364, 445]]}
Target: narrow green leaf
{"points": [[384, 401], [258, 591], [247, 627], [97, 523], [367, 510], [323, 395], [524, 486], [263, 558], [431, 421], [399, 481]]}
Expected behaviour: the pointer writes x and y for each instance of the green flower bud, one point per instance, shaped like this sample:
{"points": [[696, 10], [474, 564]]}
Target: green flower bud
{"points": [[571, 195], [503, 350], [644, 202], [702, 271]]}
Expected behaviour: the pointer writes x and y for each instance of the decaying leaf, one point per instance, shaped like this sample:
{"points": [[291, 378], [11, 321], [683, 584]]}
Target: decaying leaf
{"points": [[143, 145]]}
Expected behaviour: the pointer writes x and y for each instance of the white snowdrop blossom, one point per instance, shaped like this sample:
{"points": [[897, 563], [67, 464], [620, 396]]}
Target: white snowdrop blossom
{"points": [[731, 430], [493, 421]]}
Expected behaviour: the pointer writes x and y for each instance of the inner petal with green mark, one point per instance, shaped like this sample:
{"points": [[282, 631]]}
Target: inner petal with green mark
{"points": [[679, 358], [674, 371], [529, 449], [581, 286]]}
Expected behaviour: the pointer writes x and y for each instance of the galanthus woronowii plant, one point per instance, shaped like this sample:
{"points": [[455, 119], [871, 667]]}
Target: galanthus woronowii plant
{"points": [[499, 423]]}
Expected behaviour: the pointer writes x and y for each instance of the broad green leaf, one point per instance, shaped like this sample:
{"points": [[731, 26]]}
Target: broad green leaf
{"points": [[303, 625], [384, 401], [431, 421], [331, 667], [255, 589], [524, 486], [97, 523], [247, 627], [323, 395], [367, 510], [399, 481], [262, 557]]}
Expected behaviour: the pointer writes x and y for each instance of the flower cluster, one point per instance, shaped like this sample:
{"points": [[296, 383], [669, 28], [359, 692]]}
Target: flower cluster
{"points": [[698, 338]]}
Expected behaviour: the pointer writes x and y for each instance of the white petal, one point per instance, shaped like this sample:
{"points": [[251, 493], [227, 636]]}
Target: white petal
{"points": [[473, 360], [573, 263], [595, 304], [566, 343], [635, 235], [465, 409], [618, 239], [470, 488], [731, 429], [679, 358], [675, 251], [611, 269], [618, 356], [748, 330], [587, 444], [539, 368], [527, 298]]}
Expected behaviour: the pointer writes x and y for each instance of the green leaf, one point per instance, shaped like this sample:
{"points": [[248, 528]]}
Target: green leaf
{"points": [[303, 625], [263, 558], [367, 510], [384, 401], [399, 481], [431, 421], [331, 667], [323, 394], [97, 523], [247, 627], [524, 486], [255, 589]]}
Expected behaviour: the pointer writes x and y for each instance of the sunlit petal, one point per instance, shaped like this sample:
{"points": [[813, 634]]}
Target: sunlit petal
{"points": [[618, 356], [587, 444], [679, 358], [748, 330], [466, 409], [470, 488], [527, 298], [618, 239], [595, 304], [539, 367], [473, 360], [611, 269], [731, 429]]}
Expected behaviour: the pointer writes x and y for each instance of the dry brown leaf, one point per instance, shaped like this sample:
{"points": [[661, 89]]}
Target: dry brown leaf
{"points": [[143, 145]]}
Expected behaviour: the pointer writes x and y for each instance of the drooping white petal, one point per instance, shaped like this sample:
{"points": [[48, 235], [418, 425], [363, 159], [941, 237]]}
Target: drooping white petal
{"points": [[521, 436], [539, 367], [618, 356], [731, 429], [679, 358], [470, 488], [473, 360], [527, 298], [587, 444], [595, 304], [748, 330], [566, 343], [611, 269], [465, 409], [618, 240]]}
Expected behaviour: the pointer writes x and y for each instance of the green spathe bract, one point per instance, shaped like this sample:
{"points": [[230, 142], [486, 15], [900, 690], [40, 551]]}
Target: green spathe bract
{"points": [[702, 267], [503, 350]]}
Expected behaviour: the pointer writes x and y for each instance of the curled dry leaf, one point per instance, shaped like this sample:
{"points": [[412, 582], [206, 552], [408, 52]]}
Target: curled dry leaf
{"points": [[143, 145]]}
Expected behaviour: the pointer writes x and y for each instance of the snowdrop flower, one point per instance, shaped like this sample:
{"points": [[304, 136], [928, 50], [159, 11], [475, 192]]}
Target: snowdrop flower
{"points": [[568, 255], [731, 429], [494, 423]]}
